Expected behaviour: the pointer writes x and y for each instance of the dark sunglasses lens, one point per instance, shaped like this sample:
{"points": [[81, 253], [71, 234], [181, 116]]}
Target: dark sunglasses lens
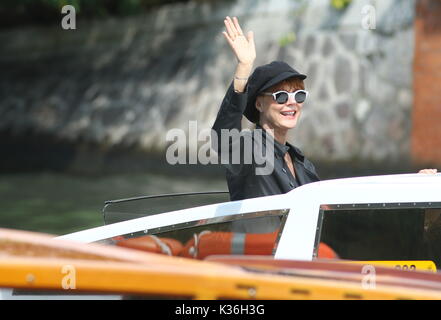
{"points": [[300, 97], [281, 97]]}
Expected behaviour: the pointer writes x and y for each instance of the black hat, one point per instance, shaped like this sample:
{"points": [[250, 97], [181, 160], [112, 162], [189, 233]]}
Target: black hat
{"points": [[263, 78]]}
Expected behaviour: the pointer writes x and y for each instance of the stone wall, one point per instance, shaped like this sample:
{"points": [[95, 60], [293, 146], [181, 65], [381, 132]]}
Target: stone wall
{"points": [[127, 82], [361, 83], [426, 115]]}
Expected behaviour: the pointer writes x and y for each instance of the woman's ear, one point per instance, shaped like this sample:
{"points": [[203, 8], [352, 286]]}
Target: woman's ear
{"points": [[258, 104]]}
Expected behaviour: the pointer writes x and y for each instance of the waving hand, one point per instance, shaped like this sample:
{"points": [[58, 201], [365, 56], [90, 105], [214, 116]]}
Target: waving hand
{"points": [[243, 47]]}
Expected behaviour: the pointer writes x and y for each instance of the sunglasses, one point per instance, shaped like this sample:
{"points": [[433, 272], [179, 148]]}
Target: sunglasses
{"points": [[282, 97]]}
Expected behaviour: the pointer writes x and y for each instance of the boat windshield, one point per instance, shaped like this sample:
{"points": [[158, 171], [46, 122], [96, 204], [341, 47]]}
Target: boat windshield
{"points": [[252, 233], [133, 208], [383, 232]]}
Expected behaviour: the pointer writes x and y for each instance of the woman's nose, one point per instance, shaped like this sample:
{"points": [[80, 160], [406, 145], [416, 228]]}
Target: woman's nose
{"points": [[292, 100]]}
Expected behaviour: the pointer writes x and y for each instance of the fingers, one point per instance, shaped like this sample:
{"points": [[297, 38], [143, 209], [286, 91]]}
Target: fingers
{"points": [[231, 28], [237, 26], [230, 41], [428, 171]]}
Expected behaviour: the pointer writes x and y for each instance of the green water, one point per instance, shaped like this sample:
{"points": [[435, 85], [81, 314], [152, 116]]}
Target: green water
{"points": [[59, 204]]}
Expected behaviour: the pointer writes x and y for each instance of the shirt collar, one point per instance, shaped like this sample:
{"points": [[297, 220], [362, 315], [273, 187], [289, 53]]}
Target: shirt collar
{"points": [[281, 149]]}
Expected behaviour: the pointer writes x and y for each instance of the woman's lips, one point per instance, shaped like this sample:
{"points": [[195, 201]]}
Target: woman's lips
{"points": [[290, 114]]}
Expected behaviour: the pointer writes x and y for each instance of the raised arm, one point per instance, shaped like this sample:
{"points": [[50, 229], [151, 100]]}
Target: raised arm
{"points": [[233, 105], [235, 100]]}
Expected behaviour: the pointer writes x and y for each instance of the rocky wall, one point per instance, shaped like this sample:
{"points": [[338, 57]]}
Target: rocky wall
{"points": [[126, 82], [426, 115]]}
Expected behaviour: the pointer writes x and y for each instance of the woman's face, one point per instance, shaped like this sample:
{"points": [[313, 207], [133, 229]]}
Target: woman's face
{"points": [[279, 116]]}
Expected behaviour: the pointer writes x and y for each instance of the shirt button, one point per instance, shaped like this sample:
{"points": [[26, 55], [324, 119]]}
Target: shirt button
{"points": [[291, 185]]}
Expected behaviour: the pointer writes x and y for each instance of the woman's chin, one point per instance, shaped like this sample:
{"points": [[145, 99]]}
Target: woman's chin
{"points": [[289, 123]]}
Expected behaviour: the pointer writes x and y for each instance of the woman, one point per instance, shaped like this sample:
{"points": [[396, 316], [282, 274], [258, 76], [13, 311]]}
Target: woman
{"points": [[272, 97]]}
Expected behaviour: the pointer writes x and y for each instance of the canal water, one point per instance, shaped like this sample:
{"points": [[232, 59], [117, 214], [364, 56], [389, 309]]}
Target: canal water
{"points": [[59, 203]]}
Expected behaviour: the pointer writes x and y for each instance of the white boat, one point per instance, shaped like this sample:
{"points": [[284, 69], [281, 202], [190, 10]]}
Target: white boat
{"points": [[334, 239]]}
